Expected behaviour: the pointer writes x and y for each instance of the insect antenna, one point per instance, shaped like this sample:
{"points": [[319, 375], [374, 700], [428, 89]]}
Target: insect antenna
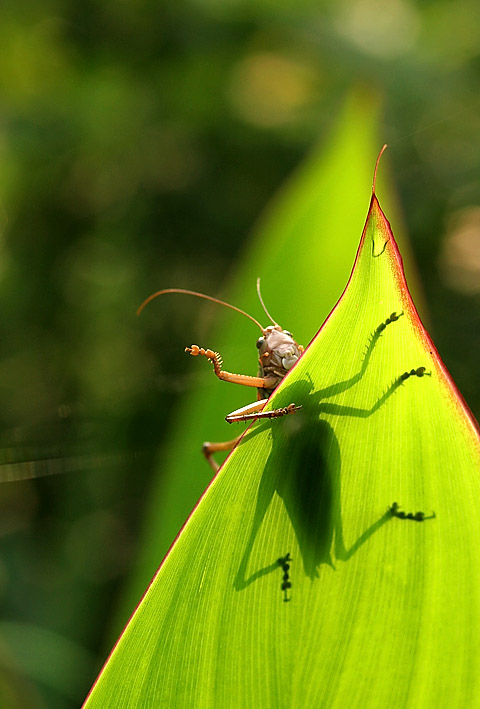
{"points": [[197, 295], [263, 304]]}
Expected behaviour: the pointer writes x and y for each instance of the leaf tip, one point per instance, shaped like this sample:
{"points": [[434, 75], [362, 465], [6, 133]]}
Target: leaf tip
{"points": [[376, 168]]}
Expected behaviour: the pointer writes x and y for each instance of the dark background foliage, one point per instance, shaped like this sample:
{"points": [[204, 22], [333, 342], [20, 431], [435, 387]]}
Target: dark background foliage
{"points": [[139, 141]]}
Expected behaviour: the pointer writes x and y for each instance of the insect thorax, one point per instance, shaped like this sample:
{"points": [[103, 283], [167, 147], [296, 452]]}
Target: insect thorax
{"points": [[278, 353]]}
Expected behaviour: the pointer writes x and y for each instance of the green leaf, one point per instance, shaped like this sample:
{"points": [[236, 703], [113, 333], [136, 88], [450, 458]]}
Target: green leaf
{"points": [[381, 610], [304, 254]]}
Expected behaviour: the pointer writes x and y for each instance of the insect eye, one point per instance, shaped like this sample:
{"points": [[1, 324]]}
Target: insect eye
{"points": [[260, 342]]}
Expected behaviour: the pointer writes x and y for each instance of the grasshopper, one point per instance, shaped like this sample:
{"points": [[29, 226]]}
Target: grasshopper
{"points": [[278, 352]]}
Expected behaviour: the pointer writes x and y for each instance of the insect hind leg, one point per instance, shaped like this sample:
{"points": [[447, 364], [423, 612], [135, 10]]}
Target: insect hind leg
{"points": [[255, 411]]}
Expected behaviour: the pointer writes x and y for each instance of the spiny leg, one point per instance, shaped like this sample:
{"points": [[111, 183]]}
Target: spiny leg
{"points": [[254, 411], [395, 511], [376, 334], [245, 379], [283, 562], [251, 411], [419, 372], [339, 387], [248, 412]]}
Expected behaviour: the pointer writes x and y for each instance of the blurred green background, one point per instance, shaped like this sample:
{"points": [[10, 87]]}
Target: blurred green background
{"points": [[139, 142]]}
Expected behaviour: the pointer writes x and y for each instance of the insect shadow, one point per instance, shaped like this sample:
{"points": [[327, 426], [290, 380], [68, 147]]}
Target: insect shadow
{"points": [[304, 470]]}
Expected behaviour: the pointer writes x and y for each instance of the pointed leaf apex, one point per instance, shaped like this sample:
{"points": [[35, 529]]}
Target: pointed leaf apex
{"points": [[376, 168]]}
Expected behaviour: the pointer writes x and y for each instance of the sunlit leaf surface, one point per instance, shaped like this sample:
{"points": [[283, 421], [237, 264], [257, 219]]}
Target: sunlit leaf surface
{"points": [[381, 610], [304, 254]]}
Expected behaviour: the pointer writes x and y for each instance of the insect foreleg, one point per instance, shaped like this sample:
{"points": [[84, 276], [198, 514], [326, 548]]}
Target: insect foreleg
{"points": [[245, 379]]}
